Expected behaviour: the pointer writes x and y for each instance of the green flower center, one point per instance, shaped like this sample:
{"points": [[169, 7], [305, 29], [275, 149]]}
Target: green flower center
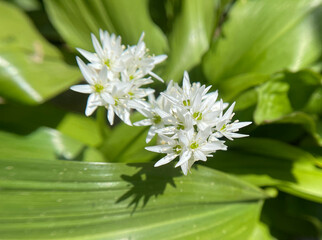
{"points": [[223, 127], [177, 149], [194, 145], [116, 100], [131, 77], [197, 115], [156, 119], [186, 102], [180, 127], [98, 87], [107, 63]]}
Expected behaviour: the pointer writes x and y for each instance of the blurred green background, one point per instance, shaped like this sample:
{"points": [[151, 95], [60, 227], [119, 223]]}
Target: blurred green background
{"points": [[66, 176]]}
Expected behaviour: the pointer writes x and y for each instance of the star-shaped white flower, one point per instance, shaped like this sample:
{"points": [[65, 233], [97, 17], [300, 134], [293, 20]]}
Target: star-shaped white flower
{"points": [[108, 53], [139, 63], [98, 87], [224, 126]]}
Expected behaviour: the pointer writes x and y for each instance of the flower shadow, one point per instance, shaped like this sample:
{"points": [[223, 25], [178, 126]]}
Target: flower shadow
{"points": [[147, 182]]}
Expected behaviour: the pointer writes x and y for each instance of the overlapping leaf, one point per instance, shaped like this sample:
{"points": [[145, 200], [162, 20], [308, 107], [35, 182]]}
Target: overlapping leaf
{"points": [[31, 70], [190, 36], [266, 162], [46, 144], [74, 200], [264, 37], [76, 20]]}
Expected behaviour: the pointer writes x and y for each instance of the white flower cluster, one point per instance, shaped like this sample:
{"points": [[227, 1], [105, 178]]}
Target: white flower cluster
{"points": [[115, 76], [189, 122]]}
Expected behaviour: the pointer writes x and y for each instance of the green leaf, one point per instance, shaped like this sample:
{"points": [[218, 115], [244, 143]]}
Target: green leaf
{"points": [[266, 162], [76, 19], [265, 37], [311, 125], [190, 36], [24, 120], [126, 143], [46, 144], [273, 102], [82, 128], [76, 200], [287, 97], [261, 232], [288, 219], [31, 70], [232, 87]]}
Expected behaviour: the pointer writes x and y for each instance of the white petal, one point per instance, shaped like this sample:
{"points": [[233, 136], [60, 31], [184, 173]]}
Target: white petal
{"points": [[212, 147], [167, 130], [159, 148], [88, 55], [166, 159], [103, 73], [150, 134], [97, 47], [160, 58], [91, 106], [186, 86], [144, 122], [124, 115], [184, 158], [107, 98], [88, 75], [156, 76], [239, 125], [229, 111], [185, 168], [237, 135], [110, 115], [82, 88], [198, 155]]}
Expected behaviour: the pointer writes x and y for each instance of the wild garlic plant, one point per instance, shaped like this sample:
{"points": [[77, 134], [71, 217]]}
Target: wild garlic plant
{"points": [[189, 121]]}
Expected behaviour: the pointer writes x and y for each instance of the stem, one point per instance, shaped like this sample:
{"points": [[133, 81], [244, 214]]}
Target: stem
{"points": [[102, 123]]}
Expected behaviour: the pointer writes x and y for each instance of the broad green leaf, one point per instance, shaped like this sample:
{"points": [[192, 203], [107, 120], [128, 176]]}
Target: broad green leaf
{"points": [[261, 232], [82, 128], [303, 84], [46, 144], [232, 87], [287, 97], [288, 222], [76, 19], [308, 122], [24, 120], [264, 37], [273, 102], [76, 200], [306, 210], [266, 162], [31, 70], [190, 36], [126, 143]]}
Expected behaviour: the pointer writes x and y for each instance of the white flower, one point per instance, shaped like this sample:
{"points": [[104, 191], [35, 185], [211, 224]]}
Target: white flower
{"points": [[108, 53], [116, 76], [196, 147], [224, 127], [192, 124], [189, 146], [98, 87], [138, 62]]}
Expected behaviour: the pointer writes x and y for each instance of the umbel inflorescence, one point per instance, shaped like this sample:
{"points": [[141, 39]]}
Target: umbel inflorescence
{"points": [[189, 121]]}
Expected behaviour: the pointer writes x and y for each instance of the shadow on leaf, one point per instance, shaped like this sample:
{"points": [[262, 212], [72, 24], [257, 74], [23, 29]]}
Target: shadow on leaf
{"points": [[147, 182]]}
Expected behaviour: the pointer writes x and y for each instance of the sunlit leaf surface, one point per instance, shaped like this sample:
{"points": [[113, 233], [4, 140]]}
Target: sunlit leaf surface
{"points": [[74, 200], [31, 70]]}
